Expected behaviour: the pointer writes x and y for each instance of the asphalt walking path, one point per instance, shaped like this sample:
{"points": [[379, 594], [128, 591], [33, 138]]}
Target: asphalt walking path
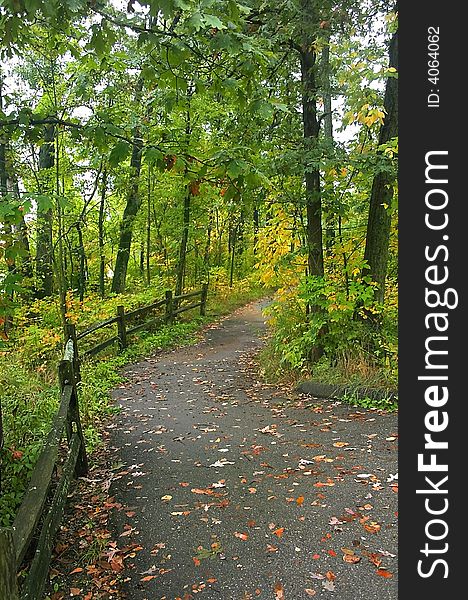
{"points": [[235, 489]]}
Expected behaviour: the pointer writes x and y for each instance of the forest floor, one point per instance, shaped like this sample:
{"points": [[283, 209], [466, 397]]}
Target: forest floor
{"points": [[226, 487]]}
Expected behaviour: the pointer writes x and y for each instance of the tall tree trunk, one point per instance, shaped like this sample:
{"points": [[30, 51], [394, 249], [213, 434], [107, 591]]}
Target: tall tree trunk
{"points": [[131, 209], [44, 247], [379, 221], [6, 226], [311, 128], [256, 227], [26, 265], [330, 223], [233, 255], [183, 244], [187, 198], [206, 254], [148, 228], [82, 277], [102, 254]]}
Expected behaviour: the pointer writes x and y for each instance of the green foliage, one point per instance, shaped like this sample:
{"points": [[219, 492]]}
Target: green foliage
{"points": [[359, 338]]}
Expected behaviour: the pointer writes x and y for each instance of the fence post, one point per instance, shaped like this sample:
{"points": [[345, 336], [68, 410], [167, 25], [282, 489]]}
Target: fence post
{"points": [[121, 330], [67, 377], [204, 295], [169, 306], [8, 582], [71, 334]]}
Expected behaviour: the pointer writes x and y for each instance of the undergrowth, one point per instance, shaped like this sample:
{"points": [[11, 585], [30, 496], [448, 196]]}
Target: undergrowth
{"points": [[358, 339]]}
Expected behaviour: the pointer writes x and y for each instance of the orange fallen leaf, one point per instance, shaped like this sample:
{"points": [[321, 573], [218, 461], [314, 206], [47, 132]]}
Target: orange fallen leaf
{"points": [[148, 578], [77, 570], [330, 575], [384, 573], [310, 592], [372, 527], [75, 591], [375, 558], [279, 532], [279, 591], [271, 548], [212, 580], [241, 536], [351, 558], [331, 552], [300, 500], [196, 561], [200, 491]]}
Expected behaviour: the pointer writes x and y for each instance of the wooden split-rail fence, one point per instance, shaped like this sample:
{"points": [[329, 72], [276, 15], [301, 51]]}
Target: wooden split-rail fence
{"points": [[40, 514]]}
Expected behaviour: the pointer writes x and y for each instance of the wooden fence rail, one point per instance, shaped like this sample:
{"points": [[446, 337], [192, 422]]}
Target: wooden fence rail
{"points": [[35, 524], [33, 519], [125, 320]]}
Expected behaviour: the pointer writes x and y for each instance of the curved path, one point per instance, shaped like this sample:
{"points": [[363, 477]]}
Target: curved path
{"points": [[235, 489]]}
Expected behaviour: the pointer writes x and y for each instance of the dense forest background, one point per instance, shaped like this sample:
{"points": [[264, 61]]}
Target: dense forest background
{"points": [[158, 145]]}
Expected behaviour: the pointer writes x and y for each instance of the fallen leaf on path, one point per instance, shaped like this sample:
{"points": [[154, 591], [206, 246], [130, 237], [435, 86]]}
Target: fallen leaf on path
{"points": [[166, 498], [148, 578], [241, 536], [300, 500], [279, 532], [372, 527], [310, 592], [279, 591], [329, 586], [351, 558], [384, 573]]}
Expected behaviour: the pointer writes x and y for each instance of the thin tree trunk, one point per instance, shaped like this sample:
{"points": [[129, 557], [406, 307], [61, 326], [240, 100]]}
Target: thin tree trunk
{"points": [[183, 245], [186, 222], [22, 233], [102, 255], [130, 212], [132, 207], [82, 273], [379, 221], [256, 227], [330, 223], [148, 229], [206, 255], [44, 248], [233, 254]]}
